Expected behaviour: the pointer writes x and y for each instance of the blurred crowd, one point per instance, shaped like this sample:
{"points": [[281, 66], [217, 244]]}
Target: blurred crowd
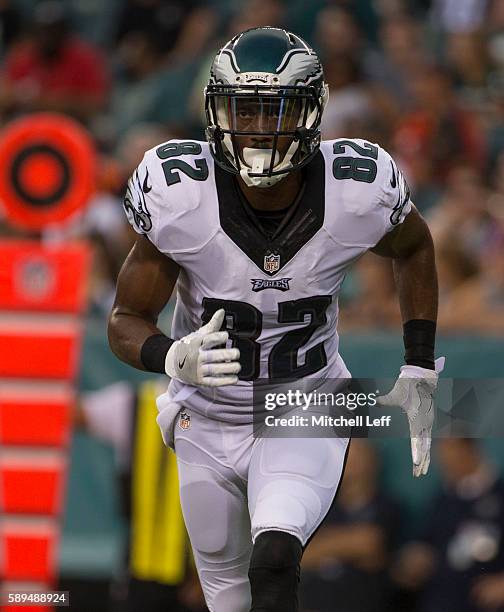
{"points": [[364, 557], [423, 78]]}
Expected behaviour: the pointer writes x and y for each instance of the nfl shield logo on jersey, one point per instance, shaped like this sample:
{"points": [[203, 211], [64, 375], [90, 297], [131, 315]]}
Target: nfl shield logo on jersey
{"points": [[272, 262], [184, 421]]}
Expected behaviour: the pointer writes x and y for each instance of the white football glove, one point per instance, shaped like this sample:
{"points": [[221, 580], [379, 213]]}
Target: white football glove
{"points": [[414, 393], [194, 359]]}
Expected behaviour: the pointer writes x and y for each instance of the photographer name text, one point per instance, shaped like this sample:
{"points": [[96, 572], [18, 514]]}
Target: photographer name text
{"points": [[327, 421]]}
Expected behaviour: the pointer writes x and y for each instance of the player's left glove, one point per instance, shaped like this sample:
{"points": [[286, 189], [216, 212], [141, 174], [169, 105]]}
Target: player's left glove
{"points": [[414, 393]]}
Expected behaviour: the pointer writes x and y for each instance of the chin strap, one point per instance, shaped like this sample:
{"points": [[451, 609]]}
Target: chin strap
{"points": [[257, 159]]}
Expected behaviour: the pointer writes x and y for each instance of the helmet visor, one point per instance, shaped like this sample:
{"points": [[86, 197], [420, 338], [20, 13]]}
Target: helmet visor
{"points": [[259, 114]]}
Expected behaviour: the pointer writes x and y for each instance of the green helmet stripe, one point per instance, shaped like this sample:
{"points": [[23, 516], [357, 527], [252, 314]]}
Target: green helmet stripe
{"points": [[257, 52]]}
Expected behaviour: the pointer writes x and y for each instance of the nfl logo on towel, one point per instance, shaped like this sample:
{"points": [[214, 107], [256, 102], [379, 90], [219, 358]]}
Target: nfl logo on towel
{"points": [[184, 421], [272, 263]]}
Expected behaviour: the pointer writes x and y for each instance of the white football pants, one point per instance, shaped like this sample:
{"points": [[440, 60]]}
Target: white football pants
{"points": [[234, 486]]}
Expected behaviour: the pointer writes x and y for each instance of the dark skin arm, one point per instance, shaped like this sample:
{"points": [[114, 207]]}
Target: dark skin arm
{"points": [[145, 284], [411, 248]]}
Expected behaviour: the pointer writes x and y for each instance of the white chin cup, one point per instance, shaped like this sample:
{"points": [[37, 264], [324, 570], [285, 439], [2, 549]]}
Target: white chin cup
{"points": [[257, 160]]}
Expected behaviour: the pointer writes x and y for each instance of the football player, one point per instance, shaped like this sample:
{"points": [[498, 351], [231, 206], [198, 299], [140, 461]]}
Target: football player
{"points": [[255, 229]]}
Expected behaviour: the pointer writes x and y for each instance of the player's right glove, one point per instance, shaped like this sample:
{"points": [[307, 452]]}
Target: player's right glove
{"points": [[195, 360]]}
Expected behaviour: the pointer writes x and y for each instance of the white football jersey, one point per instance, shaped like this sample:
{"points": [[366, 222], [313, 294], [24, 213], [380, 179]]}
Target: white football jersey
{"points": [[280, 294]]}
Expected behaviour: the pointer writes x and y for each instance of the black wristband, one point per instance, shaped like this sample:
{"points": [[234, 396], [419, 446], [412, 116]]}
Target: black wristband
{"points": [[153, 352], [419, 337]]}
